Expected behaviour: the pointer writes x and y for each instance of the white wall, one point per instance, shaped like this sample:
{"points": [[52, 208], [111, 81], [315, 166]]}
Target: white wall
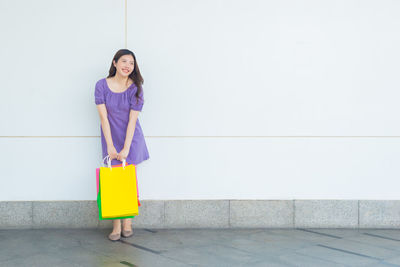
{"points": [[243, 99]]}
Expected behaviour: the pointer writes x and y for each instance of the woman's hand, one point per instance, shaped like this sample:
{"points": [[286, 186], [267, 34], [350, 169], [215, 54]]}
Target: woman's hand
{"points": [[123, 154], [112, 152]]}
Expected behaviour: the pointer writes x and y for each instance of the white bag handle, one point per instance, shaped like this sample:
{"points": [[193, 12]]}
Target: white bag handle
{"points": [[109, 162]]}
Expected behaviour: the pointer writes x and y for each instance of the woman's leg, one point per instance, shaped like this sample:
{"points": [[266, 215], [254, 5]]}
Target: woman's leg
{"points": [[127, 224], [116, 226]]}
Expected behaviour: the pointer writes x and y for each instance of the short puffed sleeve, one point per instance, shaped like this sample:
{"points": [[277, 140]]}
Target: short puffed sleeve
{"points": [[99, 94], [136, 103]]}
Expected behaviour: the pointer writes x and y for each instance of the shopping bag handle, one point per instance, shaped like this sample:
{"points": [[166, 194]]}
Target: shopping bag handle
{"points": [[109, 162]]}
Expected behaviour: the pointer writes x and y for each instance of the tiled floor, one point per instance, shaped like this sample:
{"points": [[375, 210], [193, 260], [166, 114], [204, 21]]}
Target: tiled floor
{"points": [[201, 247]]}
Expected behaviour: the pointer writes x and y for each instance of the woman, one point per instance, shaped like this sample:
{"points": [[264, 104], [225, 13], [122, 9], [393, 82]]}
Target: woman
{"points": [[119, 99]]}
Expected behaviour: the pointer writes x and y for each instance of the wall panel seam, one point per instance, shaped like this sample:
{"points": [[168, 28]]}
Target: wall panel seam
{"points": [[166, 136]]}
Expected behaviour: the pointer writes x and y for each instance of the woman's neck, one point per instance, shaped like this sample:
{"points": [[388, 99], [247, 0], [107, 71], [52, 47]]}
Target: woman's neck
{"points": [[120, 79]]}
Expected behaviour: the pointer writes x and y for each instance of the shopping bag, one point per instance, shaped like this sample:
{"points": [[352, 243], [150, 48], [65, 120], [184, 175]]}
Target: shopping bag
{"points": [[137, 186], [97, 179], [99, 204], [118, 191], [99, 199]]}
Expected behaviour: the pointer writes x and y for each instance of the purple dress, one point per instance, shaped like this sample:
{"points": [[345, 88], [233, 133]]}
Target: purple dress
{"points": [[118, 107]]}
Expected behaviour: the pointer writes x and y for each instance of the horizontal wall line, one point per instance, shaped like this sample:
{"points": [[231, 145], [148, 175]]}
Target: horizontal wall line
{"points": [[216, 136]]}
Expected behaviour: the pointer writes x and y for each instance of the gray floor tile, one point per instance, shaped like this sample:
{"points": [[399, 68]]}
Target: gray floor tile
{"points": [[85, 257], [256, 247], [200, 247], [336, 232], [393, 260], [295, 259], [169, 239], [362, 248], [212, 255], [14, 244], [376, 241], [308, 235], [337, 256], [40, 260], [390, 234], [382, 264]]}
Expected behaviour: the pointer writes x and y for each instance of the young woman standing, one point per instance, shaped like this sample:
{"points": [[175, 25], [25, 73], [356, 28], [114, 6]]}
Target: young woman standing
{"points": [[119, 99]]}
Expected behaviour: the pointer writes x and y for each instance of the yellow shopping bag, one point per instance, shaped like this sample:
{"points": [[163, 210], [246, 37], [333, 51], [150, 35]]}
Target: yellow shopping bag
{"points": [[118, 191]]}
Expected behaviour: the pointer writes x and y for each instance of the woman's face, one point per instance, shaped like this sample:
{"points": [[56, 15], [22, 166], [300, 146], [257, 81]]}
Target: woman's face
{"points": [[125, 65]]}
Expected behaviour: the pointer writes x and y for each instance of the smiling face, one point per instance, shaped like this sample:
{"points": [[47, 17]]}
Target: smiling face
{"points": [[125, 65]]}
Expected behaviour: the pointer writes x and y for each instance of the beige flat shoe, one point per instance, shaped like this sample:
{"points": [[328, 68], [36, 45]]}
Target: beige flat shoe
{"points": [[127, 233], [114, 237]]}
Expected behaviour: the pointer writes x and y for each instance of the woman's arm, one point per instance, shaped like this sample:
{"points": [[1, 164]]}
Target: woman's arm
{"points": [[105, 125], [130, 130]]}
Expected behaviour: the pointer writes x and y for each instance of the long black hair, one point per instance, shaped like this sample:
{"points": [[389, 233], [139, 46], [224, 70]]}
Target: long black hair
{"points": [[135, 74]]}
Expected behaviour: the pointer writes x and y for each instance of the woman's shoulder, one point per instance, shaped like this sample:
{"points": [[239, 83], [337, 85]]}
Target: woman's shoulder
{"points": [[100, 82], [133, 87], [99, 92], [101, 85]]}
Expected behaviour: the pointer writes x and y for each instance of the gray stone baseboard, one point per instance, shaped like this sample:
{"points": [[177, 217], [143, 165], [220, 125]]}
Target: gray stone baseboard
{"points": [[165, 214]]}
